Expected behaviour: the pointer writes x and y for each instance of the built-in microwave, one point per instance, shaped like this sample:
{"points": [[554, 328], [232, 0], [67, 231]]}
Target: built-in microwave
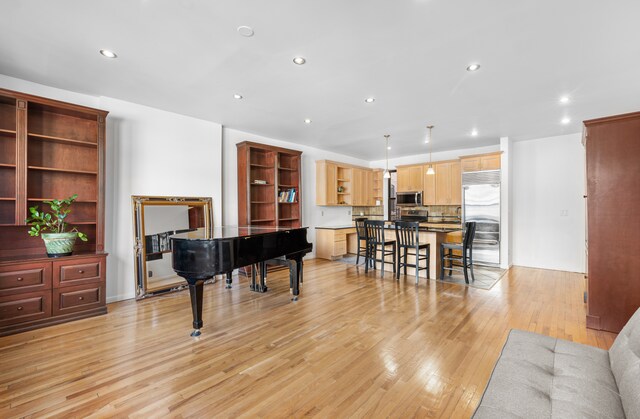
{"points": [[409, 199]]}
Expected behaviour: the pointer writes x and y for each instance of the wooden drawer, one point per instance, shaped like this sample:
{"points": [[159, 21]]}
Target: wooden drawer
{"points": [[78, 298], [25, 307], [27, 277], [339, 236], [339, 248], [78, 272]]}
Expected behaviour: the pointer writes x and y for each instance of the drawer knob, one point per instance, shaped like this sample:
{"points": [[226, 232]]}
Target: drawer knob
{"points": [[80, 271], [20, 278], [19, 308], [80, 298]]}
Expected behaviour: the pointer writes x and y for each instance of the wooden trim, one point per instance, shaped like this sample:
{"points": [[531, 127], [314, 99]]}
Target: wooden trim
{"points": [[481, 155], [347, 165], [613, 118], [22, 107], [52, 102], [427, 163], [269, 147], [593, 322]]}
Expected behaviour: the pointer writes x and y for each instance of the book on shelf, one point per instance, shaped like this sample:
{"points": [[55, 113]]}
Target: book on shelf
{"points": [[287, 196], [260, 182]]}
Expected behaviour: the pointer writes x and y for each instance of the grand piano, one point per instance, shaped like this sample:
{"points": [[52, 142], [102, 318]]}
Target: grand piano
{"points": [[200, 255]]}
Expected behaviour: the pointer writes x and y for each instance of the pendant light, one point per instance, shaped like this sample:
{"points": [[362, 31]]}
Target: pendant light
{"points": [[430, 170], [386, 175]]}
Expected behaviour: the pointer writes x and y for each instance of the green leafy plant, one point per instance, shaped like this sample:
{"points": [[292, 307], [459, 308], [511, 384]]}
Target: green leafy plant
{"points": [[53, 221]]}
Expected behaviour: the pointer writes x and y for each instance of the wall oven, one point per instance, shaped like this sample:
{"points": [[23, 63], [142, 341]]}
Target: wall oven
{"points": [[409, 199]]}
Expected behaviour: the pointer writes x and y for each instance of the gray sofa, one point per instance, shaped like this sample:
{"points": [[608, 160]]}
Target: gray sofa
{"points": [[538, 376]]}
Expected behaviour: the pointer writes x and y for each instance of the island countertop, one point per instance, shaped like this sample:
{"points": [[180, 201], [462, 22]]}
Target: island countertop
{"points": [[428, 227]]}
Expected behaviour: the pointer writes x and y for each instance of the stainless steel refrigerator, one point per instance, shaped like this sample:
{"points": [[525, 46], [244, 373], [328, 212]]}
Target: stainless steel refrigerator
{"points": [[481, 203]]}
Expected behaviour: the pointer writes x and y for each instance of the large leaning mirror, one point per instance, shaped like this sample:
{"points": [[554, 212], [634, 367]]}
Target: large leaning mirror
{"points": [[155, 219]]}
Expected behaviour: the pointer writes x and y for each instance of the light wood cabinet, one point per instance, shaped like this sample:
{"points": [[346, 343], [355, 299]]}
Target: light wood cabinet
{"points": [[456, 183], [447, 183], [332, 244], [429, 184], [342, 184], [326, 183], [481, 162], [360, 188], [410, 178]]}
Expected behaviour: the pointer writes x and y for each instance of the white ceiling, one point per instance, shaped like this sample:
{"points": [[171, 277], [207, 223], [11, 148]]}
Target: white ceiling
{"points": [[186, 56]]}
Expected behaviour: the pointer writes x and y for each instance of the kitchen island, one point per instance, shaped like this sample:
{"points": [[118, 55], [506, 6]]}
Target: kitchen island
{"points": [[333, 242]]}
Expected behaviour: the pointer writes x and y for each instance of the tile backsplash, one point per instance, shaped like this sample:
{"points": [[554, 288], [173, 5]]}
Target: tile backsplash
{"points": [[372, 213]]}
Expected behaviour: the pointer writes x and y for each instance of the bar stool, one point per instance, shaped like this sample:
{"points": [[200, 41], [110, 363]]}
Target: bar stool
{"points": [[408, 238], [361, 232], [375, 239], [466, 258]]}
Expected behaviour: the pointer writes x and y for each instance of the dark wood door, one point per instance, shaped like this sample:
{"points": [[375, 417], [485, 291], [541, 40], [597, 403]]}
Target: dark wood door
{"points": [[613, 208]]}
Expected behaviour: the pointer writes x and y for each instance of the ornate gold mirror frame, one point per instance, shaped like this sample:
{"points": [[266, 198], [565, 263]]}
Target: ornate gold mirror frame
{"points": [[155, 219]]}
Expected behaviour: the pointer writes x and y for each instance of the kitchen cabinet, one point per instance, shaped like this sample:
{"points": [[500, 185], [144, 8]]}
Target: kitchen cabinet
{"points": [[378, 187], [410, 178], [326, 183], [481, 162], [360, 188], [448, 183], [340, 184], [429, 185], [332, 243]]}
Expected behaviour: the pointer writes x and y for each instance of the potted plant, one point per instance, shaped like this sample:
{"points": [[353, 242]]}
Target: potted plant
{"points": [[59, 242]]}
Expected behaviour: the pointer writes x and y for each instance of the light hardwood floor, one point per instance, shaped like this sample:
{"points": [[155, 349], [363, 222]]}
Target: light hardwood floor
{"points": [[354, 345]]}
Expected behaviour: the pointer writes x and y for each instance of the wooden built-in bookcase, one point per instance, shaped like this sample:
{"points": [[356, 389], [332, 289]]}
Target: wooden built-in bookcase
{"points": [[50, 150], [269, 186]]}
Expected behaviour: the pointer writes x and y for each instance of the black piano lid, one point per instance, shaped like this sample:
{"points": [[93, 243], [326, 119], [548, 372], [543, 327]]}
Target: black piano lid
{"points": [[230, 232]]}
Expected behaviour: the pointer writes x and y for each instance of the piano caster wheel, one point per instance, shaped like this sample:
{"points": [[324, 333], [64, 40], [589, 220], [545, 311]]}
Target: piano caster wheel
{"points": [[294, 298], [195, 333], [228, 286]]}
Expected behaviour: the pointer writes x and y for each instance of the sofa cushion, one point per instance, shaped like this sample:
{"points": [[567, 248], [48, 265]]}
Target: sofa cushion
{"points": [[538, 376], [624, 356]]}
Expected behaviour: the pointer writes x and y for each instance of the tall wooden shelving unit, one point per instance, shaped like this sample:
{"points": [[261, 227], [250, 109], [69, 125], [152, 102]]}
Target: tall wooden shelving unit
{"points": [[50, 150], [280, 170]]}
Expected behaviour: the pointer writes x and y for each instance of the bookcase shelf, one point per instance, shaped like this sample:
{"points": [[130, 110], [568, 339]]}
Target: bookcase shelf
{"points": [[51, 150], [258, 204], [62, 140]]}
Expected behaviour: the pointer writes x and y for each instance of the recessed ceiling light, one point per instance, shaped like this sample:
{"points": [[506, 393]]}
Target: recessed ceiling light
{"points": [[389, 148], [237, 96], [565, 120], [564, 99], [245, 31], [108, 54], [307, 121], [299, 60], [474, 133], [370, 100], [473, 67]]}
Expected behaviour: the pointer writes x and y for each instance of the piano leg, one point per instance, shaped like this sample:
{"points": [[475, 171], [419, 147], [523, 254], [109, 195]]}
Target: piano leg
{"points": [[263, 277], [252, 285], [195, 291], [294, 278], [229, 274]]}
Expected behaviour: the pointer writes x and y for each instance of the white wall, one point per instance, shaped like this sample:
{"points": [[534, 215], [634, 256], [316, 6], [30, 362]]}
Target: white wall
{"points": [[506, 203], [149, 152], [312, 215], [153, 152], [548, 179]]}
